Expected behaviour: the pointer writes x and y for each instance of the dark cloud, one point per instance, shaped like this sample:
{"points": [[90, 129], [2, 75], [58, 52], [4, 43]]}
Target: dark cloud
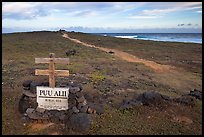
{"points": [[180, 24], [189, 24]]}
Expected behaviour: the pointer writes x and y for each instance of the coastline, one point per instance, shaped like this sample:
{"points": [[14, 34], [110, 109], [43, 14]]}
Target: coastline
{"points": [[162, 36]]}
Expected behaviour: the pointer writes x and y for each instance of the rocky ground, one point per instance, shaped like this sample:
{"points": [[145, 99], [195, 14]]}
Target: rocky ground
{"points": [[131, 97]]}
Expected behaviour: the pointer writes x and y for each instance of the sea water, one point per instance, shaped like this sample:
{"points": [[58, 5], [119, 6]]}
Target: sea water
{"points": [[172, 37]]}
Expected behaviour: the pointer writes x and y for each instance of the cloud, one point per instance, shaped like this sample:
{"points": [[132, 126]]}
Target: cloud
{"points": [[200, 11], [192, 8], [85, 13], [180, 24], [22, 10], [189, 24], [30, 10], [157, 11], [162, 9], [143, 17]]}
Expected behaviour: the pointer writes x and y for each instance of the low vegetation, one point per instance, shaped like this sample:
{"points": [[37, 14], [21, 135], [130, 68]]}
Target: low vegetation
{"points": [[108, 80]]}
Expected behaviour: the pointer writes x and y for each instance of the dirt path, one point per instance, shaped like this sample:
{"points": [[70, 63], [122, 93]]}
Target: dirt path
{"points": [[126, 56]]}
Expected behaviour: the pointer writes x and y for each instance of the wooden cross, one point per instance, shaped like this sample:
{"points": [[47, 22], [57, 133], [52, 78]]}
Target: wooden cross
{"points": [[51, 71]]}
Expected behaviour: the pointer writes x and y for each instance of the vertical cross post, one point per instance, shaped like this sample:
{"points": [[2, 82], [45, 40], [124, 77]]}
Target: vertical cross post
{"points": [[52, 71]]}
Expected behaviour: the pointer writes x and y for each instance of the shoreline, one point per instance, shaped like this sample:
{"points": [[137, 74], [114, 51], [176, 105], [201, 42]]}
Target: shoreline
{"points": [[123, 37], [142, 36]]}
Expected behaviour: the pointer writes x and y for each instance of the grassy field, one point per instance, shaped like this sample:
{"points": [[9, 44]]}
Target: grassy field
{"points": [[108, 80]]}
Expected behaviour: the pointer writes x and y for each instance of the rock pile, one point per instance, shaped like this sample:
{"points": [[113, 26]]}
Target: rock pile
{"points": [[78, 112], [196, 93], [71, 52], [153, 98]]}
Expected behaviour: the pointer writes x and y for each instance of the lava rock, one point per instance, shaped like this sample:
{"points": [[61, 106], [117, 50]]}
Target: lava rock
{"points": [[75, 110], [74, 89], [129, 104], [23, 104], [29, 110], [79, 94], [27, 83], [71, 103], [97, 107], [81, 104], [53, 112], [33, 86], [25, 119], [84, 109], [29, 94], [196, 93], [71, 52], [62, 117], [91, 111], [89, 97], [111, 52], [46, 84], [186, 100], [41, 110], [150, 98], [81, 99], [80, 122], [72, 96]]}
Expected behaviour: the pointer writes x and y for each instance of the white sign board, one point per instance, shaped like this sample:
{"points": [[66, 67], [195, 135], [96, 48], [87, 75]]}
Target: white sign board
{"points": [[52, 98]]}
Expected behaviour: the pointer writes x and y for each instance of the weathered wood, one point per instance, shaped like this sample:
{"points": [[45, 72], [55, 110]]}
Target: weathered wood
{"points": [[51, 72], [56, 60], [57, 72], [52, 76]]}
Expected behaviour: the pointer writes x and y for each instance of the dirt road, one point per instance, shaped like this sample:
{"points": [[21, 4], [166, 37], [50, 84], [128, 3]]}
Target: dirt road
{"points": [[125, 56]]}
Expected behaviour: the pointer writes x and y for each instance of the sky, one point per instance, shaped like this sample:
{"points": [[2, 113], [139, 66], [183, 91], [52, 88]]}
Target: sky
{"points": [[103, 17]]}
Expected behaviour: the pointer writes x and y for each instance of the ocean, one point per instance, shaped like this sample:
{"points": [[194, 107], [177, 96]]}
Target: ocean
{"points": [[172, 37]]}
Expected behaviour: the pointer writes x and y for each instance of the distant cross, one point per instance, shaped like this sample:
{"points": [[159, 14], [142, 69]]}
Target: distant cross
{"points": [[51, 71]]}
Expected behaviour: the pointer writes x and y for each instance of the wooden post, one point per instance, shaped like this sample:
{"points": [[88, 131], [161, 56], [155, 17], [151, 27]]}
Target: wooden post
{"points": [[51, 71]]}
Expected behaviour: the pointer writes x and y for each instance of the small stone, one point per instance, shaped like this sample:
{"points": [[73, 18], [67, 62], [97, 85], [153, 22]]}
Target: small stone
{"points": [[81, 99], [94, 111], [111, 52], [25, 119], [90, 110], [29, 94], [72, 96], [62, 117], [196, 93], [186, 100], [33, 86], [26, 88], [34, 115], [84, 109], [46, 84], [58, 114], [75, 110], [53, 112], [23, 104], [41, 110], [29, 110], [27, 83], [97, 107], [63, 85], [74, 90], [79, 94], [80, 105]]}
